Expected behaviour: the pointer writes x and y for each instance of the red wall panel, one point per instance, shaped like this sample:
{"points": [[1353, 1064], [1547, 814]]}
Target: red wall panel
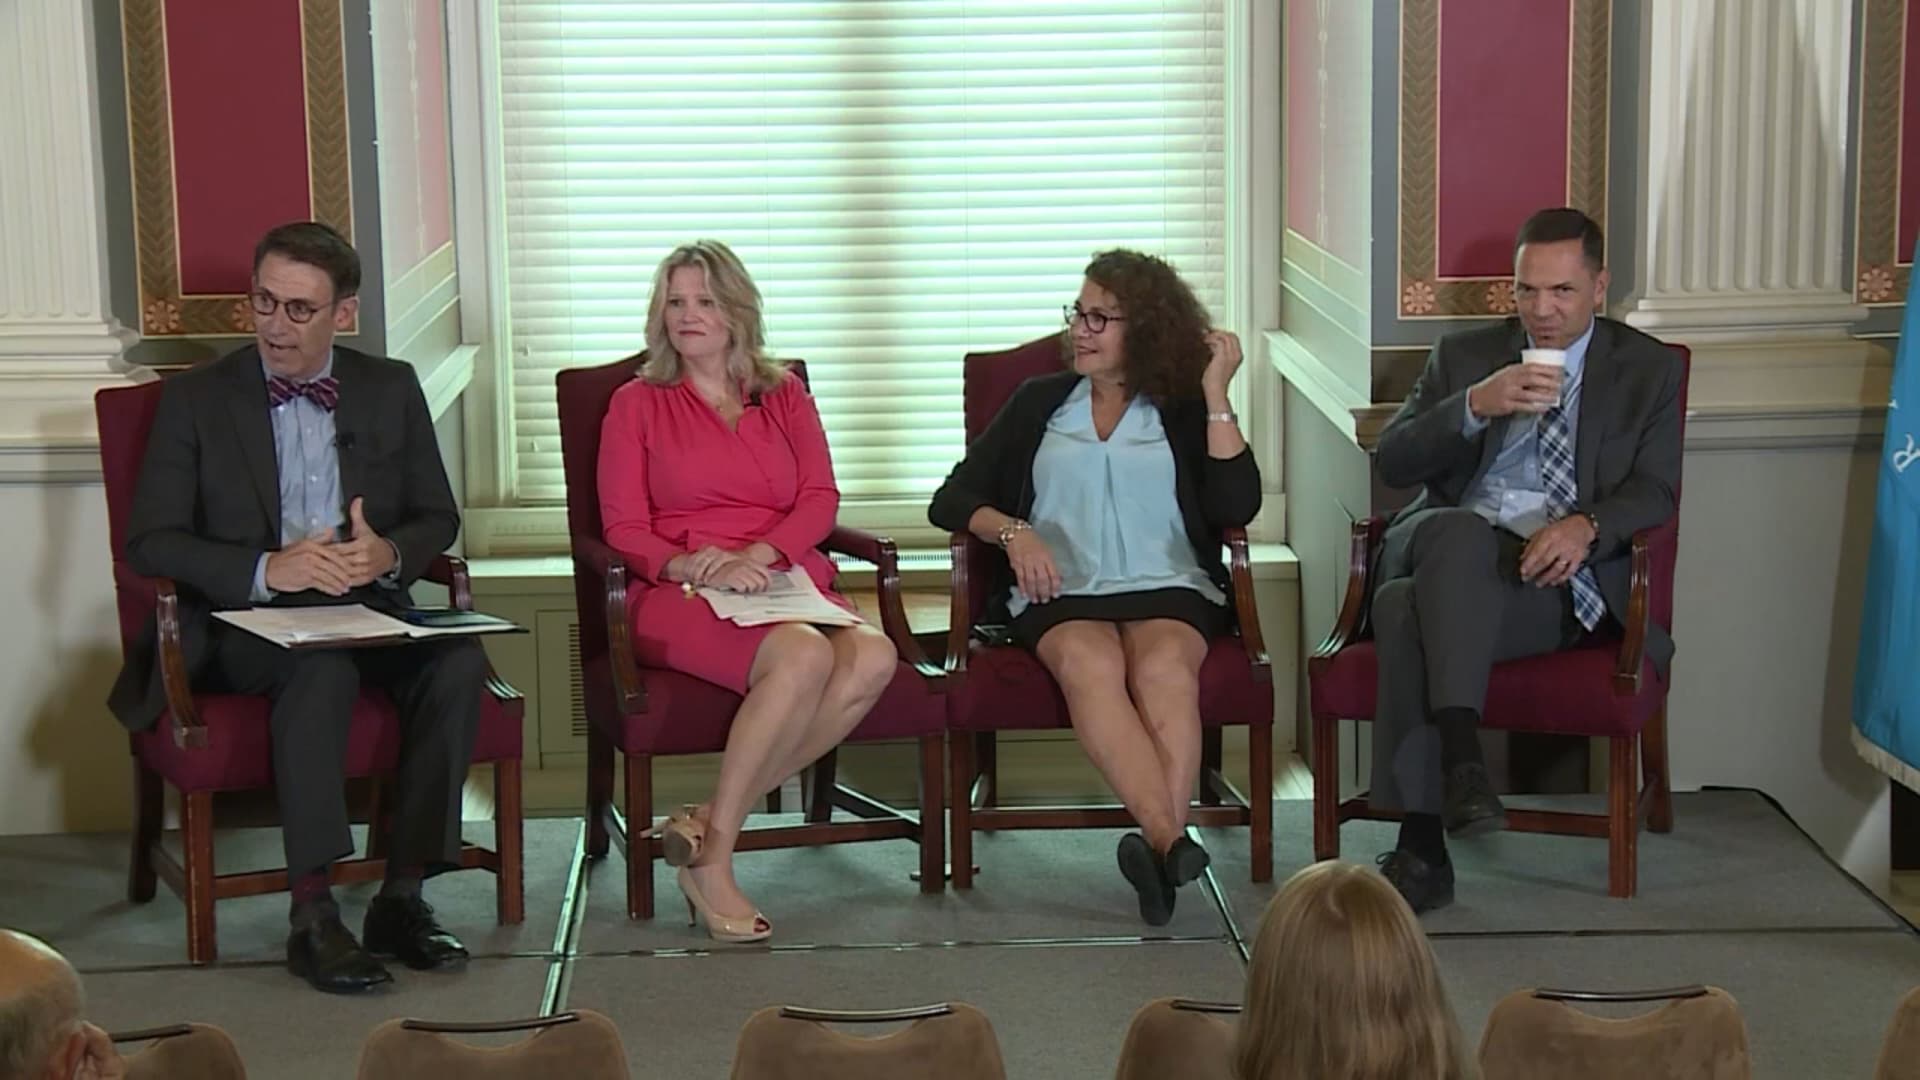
{"points": [[237, 89], [1503, 127]]}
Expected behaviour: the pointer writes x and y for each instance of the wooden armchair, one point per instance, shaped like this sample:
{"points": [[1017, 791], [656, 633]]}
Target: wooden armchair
{"points": [[645, 712], [207, 743], [995, 688], [1603, 688]]}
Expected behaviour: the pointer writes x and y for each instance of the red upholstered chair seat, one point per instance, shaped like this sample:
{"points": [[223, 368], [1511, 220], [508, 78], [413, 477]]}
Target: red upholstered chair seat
{"points": [[239, 751], [1515, 700]]}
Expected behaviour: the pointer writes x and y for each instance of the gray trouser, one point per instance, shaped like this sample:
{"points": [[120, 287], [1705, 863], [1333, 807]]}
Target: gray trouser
{"points": [[1449, 606]]}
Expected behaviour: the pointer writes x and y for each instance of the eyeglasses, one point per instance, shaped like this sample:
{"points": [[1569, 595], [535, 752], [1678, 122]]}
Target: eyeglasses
{"points": [[1096, 320], [299, 311]]}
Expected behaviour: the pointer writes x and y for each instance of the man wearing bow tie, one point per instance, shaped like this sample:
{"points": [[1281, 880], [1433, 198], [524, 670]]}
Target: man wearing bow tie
{"points": [[296, 472]]}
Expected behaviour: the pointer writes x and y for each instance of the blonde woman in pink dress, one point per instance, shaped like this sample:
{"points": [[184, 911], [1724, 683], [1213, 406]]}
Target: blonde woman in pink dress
{"points": [[714, 471]]}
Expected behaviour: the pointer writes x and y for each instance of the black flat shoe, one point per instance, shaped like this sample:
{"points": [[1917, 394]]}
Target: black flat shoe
{"points": [[1423, 885], [404, 928], [1142, 868], [1186, 861], [326, 955], [1468, 805]]}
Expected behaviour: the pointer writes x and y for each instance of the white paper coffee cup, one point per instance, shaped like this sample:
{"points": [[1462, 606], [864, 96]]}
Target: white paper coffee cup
{"points": [[1546, 358]]}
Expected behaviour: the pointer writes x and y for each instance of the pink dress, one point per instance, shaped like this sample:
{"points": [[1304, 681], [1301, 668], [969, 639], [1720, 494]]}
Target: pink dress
{"points": [[673, 479]]}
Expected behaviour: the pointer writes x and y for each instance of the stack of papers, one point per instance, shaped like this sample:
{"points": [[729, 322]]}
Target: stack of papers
{"points": [[790, 596], [357, 624]]}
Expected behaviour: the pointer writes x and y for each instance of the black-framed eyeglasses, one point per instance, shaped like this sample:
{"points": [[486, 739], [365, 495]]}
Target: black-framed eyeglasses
{"points": [[299, 311], [1096, 320]]}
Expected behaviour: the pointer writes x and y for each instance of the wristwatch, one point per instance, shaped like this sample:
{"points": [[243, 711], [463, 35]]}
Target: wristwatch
{"points": [[1014, 525], [1223, 418], [1595, 522]]}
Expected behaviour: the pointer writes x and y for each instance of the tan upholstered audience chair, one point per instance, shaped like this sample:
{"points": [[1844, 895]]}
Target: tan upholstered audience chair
{"points": [[1695, 1034], [577, 1045], [940, 1042], [180, 1052], [1178, 1039], [1900, 1053]]}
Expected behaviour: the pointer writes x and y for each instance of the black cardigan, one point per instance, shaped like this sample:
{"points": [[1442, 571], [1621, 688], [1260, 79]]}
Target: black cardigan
{"points": [[1214, 493]]}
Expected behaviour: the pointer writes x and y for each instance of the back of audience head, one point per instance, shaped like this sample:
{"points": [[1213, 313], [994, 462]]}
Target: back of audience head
{"points": [[42, 1035], [1342, 985]]}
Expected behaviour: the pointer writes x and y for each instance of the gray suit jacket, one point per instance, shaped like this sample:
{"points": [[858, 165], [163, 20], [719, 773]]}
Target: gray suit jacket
{"points": [[208, 500], [1626, 453]]}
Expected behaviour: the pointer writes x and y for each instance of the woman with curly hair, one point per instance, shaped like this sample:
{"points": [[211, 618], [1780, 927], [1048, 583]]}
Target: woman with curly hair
{"points": [[1107, 486]]}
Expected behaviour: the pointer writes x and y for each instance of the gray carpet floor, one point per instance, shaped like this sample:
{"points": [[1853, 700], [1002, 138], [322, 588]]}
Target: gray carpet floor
{"points": [[1047, 942]]}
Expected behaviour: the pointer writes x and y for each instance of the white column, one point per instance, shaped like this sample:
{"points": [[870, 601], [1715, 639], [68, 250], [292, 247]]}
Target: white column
{"points": [[58, 341], [1742, 189]]}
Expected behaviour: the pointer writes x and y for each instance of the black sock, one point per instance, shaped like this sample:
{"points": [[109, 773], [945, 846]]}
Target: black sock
{"points": [[1459, 736], [1422, 836], [403, 882]]}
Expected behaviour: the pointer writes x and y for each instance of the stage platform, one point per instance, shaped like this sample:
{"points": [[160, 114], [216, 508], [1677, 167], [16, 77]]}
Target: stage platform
{"points": [[1047, 943]]}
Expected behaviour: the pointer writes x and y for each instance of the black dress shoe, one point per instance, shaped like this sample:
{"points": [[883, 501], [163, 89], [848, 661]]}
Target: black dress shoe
{"points": [[1142, 867], [404, 928], [1186, 861], [326, 955], [1469, 807], [1423, 885]]}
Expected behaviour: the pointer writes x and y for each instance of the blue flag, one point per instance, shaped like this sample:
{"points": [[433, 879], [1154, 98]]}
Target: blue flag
{"points": [[1886, 682]]}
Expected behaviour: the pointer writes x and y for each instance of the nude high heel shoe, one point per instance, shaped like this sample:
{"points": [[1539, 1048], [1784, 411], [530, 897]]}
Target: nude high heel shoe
{"points": [[733, 931], [681, 836]]}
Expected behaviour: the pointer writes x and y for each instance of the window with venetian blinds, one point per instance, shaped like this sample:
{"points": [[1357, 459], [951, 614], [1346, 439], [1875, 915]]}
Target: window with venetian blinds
{"points": [[907, 180]]}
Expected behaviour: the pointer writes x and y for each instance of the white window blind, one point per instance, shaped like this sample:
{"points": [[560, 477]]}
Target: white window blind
{"points": [[907, 180]]}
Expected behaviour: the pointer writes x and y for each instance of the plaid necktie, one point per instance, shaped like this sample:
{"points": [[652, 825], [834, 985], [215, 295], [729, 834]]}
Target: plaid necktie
{"points": [[324, 392], [1556, 472]]}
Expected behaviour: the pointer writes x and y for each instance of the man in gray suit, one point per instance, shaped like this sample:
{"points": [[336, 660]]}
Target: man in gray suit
{"points": [[1533, 480], [297, 472]]}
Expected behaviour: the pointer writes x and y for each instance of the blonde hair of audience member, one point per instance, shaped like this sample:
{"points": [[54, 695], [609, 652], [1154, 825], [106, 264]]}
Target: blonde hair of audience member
{"points": [[739, 298], [1342, 985], [42, 1036]]}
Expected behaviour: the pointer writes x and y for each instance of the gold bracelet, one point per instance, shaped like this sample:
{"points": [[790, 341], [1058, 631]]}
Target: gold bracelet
{"points": [[1013, 526]]}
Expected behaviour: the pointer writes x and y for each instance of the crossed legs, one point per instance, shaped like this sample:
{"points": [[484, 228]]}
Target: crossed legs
{"points": [[1133, 697], [807, 689]]}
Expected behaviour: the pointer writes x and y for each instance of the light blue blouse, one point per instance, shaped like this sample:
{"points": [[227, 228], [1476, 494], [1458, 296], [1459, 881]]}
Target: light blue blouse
{"points": [[1107, 510]]}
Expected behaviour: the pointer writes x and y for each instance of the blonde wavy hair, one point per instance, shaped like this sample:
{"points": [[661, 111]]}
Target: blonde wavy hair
{"points": [[739, 299], [1342, 985]]}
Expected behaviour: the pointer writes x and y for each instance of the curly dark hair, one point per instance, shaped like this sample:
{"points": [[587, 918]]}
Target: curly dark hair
{"points": [[1165, 333]]}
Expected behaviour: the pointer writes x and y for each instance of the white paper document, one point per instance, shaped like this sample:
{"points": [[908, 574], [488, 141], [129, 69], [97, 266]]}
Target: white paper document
{"points": [[292, 627], [790, 596]]}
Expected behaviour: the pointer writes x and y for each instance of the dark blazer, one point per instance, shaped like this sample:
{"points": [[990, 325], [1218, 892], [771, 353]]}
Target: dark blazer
{"points": [[208, 500], [1214, 493], [1626, 452]]}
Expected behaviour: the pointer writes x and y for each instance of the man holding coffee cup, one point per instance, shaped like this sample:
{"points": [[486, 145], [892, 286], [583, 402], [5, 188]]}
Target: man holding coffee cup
{"points": [[1540, 446]]}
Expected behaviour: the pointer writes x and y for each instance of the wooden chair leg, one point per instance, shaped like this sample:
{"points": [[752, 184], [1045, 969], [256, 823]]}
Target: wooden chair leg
{"points": [[149, 807], [824, 775], [1260, 798], [1658, 776], [510, 896], [599, 789], [196, 836], [987, 765], [773, 799], [1326, 788], [933, 814], [639, 848], [379, 817], [1623, 830], [961, 749], [1210, 755]]}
